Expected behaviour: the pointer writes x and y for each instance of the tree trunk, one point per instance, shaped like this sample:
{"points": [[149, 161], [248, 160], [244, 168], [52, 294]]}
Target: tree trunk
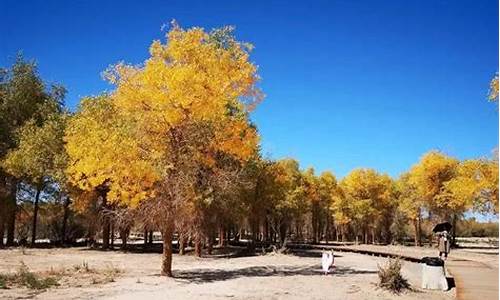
{"points": [[35, 216], [65, 220], [210, 244], [124, 236], [145, 237], [197, 246], [10, 212], [182, 244], [167, 235], [221, 235], [112, 235], [314, 219], [2, 225], [282, 234], [11, 225], [105, 232], [265, 230], [454, 230], [418, 237], [151, 237]]}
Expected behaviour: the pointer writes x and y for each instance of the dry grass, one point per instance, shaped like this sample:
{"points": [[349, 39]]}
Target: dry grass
{"points": [[390, 277], [74, 276], [24, 277]]}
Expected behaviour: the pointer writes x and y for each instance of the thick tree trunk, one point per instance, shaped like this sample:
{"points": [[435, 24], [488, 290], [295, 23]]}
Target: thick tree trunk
{"points": [[167, 236], [145, 237], [105, 219], [35, 216], [65, 220]]}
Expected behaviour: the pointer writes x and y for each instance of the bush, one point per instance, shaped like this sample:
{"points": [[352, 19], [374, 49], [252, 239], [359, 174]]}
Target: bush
{"points": [[390, 277]]}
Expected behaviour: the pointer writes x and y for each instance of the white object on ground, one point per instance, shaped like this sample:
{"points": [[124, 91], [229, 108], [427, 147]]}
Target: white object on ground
{"points": [[433, 278], [327, 261]]}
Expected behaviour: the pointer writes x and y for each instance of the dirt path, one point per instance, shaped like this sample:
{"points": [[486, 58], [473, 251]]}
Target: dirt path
{"points": [[475, 271], [474, 280]]}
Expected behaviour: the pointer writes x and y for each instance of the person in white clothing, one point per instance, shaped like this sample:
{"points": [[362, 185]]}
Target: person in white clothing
{"points": [[327, 260]]}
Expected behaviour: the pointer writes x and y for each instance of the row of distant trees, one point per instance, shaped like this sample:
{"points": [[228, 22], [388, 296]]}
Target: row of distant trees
{"points": [[172, 149]]}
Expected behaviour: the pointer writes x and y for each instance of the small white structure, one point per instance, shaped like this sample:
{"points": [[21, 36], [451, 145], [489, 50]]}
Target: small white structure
{"points": [[433, 277]]}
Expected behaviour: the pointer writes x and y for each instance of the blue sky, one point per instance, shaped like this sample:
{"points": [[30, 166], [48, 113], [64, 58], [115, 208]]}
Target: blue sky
{"points": [[348, 83]]}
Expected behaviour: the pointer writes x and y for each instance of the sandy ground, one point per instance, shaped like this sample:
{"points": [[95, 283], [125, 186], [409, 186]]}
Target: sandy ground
{"points": [[271, 276]]}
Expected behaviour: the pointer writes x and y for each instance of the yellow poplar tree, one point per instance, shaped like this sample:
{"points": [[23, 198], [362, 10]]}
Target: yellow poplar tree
{"points": [[410, 204], [475, 186], [429, 177], [327, 190], [104, 154], [39, 157], [369, 193], [187, 105]]}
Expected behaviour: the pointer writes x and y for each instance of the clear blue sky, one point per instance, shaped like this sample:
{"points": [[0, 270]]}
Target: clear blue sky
{"points": [[348, 83]]}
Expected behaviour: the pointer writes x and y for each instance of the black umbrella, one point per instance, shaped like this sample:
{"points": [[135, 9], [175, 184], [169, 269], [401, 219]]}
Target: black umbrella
{"points": [[446, 226]]}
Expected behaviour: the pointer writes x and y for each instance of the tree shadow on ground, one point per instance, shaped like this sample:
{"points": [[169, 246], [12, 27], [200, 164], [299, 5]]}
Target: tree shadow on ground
{"points": [[310, 253], [212, 275]]}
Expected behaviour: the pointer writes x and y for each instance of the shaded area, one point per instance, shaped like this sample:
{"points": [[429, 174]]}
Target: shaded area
{"points": [[451, 282], [213, 275], [310, 253]]}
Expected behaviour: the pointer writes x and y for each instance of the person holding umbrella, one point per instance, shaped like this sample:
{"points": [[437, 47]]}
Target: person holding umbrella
{"points": [[442, 230]]}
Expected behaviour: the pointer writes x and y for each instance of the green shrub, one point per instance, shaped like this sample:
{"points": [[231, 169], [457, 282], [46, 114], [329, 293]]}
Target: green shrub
{"points": [[390, 277]]}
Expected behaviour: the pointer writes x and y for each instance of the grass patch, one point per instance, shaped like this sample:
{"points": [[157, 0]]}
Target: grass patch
{"points": [[69, 276], [83, 268], [390, 277], [111, 273], [24, 277], [32, 280]]}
